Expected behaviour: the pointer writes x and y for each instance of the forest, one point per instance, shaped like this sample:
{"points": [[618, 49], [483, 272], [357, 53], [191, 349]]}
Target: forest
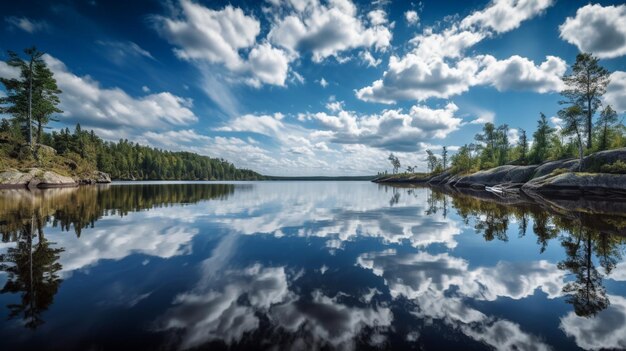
{"points": [[32, 101]]}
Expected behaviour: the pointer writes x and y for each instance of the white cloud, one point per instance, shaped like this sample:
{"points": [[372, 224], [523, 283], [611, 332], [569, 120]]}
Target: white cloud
{"points": [[377, 17], [218, 36], [337, 140], [519, 73], [412, 78], [436, 66], [369, 59], [505, 15], [597, 29], [323, 82], [9, 72], [145, 89], [85, 101], [27, 24], [412, 18], [615, 92], [268, 65], [328, 30]]}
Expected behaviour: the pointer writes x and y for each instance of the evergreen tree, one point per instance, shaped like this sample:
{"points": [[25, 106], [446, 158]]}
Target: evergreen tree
{"points": [[33, 97], [608, 117], [584, 87], [522, 146], [541, 136], [574, 118]]}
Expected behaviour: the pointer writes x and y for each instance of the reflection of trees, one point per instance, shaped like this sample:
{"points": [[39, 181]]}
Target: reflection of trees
{"points": [[81, 207], [395, 198], [586, 292], [586, 234], [32, 263], [31, 268]]}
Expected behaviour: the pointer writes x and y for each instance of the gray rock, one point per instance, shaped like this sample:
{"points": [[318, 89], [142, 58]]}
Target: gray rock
{"points": [[595, 161], [14, 178], [440, 178], [580, 184], [34, 178], [497, 175]]}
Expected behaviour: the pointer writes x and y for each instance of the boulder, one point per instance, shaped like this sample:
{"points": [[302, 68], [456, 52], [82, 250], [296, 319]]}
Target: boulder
{"points": [[95, 177], [602, 185], [497, 175], [595, 161], [548, 167], [34, 178], [14, 178], [440, 178]]}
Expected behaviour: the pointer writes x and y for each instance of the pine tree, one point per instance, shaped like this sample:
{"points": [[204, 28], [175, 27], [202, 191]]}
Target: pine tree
{"points": [[584, 87]]}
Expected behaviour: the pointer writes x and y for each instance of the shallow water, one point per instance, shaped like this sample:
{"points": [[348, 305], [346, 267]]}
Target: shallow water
{"points": [[305, 265]]}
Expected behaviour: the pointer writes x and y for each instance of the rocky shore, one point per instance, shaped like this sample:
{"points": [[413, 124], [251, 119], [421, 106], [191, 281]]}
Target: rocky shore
{"points": [[550, 179], [40, 178]]}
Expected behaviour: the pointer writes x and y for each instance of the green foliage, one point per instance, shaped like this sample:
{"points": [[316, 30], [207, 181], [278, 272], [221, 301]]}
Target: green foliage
{"points": [[605, 127], [618, 167], [558, 171], [464, 161], [494, 145], [128, 160], [542, 138], [33, 97], [585, 87]]}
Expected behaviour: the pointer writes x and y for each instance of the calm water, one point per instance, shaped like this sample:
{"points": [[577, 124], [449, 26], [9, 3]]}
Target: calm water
{"points": [[306, 265]]}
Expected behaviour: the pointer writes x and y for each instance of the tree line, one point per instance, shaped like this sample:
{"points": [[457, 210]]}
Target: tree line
{"points": [[586, 126], [32, 100]]}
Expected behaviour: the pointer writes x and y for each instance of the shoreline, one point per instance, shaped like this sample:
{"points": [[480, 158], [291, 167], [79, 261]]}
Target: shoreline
{"points": [[550, 179]]}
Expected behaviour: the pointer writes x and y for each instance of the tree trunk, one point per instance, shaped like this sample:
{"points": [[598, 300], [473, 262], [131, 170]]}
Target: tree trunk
{"points": [[589, 123], [30, 102], [39, 130]]}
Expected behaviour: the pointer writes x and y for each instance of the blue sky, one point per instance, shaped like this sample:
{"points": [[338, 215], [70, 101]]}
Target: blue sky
{"points": [[311, 87]]}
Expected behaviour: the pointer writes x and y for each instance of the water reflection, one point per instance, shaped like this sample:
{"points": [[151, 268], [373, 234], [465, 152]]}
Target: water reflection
{"points": [[31, 268], [314, 266]]}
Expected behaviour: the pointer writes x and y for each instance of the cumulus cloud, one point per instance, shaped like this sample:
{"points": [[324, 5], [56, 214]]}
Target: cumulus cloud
{"points": [[411, 78], [597, 29], [615, 92], [26, 24], [223, 37], [411, 17], [436, 66], [519, 73], [328, 30], [86, 101], [336, 138]]}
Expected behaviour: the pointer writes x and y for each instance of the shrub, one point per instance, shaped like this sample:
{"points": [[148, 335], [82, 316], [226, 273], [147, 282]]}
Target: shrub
{"points": [[618, 167]]}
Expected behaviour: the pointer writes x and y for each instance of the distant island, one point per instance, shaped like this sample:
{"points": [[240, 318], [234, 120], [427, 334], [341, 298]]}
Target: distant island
{"points": [[32, 157]]}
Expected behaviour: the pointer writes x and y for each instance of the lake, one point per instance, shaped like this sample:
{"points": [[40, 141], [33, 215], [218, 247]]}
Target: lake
{"points": [[307, 265]]}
